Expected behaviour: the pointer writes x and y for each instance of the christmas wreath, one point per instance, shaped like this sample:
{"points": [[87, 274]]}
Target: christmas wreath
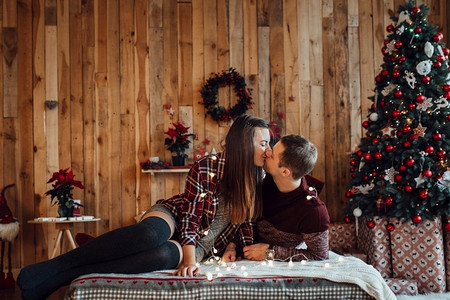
{"points": [[210, 90]]}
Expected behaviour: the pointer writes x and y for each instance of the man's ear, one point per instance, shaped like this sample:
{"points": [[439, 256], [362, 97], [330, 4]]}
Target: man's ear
{"points": [[286, 172]]}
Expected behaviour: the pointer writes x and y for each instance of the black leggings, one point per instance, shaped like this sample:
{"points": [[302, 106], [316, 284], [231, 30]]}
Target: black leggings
{"points": [[142, 247]]}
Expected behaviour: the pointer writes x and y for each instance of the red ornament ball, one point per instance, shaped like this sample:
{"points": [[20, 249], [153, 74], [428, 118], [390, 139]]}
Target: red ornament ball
{"points": [[389, 200], [417, 30], [347, 219], [437, 136], [446, 51], [427, 173], [412, 106], [398, 94], [415, 10], [390, 28], [409, 162], [384, 73], [352, 162], [402, 168], [440, 58], [437, 37], [447, 227], [417, 219], [398, 177], [437, 64], [413, 137], [420, 98], [396, 113], [407, 144], [349, 194], [390, 227], [398, 44], [406, 129], [429, 149], [359, 153], [377, 155], [447, 95], [370, 224], [382, 103], [446, 87], [395, 74], [426, 79], [441, 153], [423, 194], [401, 59], [408, 188], [379, 79], [389, 148], [365, 124], [375, 141], [367, 156]]}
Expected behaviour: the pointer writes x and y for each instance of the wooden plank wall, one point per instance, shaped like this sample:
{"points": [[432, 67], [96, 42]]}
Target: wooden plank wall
{"points": [[84, 85]]}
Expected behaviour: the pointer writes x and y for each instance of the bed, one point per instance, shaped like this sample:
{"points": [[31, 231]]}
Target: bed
{"points": [[336, 278]]}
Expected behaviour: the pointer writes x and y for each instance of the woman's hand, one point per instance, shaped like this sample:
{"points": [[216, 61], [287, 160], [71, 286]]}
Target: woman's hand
{"points": [[230, 253], [189, 270], [187, 266], [256, 251]]}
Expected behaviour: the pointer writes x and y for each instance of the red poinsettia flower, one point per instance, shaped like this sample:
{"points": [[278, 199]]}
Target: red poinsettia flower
{"points": [[61, 193], [177, 141]]}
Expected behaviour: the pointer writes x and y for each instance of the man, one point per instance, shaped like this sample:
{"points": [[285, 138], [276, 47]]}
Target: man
{"points": [[295, 221]]}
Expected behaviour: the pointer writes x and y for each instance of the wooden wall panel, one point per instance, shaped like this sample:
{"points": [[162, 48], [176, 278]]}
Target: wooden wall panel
{"points": [[85, 85]]}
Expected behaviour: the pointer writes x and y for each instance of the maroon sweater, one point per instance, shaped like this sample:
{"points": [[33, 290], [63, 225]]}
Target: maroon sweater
{"points": [[290, 219]]}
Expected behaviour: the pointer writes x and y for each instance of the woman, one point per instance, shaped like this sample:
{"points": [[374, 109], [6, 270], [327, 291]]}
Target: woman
{"points": [[222, 196]]}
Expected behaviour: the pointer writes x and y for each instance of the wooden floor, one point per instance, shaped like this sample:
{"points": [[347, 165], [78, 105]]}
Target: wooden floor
{"points": [[15, 294]]}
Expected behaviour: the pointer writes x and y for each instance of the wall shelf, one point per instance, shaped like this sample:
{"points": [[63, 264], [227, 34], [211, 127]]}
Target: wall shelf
{"points": [[164, 171]]}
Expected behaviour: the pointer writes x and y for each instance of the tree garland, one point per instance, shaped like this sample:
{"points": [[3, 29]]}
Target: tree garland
{"points": [[210, 90]]}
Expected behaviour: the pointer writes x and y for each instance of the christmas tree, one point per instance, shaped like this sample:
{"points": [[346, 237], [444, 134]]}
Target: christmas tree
{"points": [[400, 167]]}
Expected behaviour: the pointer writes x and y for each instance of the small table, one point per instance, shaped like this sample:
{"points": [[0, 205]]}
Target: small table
{"points": [[63, 225]]}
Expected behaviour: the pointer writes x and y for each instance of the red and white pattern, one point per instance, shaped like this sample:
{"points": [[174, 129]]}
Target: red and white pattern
{"points": [[447, 255], [402, 286], [418, 253], [374, 242], [342, 236]]}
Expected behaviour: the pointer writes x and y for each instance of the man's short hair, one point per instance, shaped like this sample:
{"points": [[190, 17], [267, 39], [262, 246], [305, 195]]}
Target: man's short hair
{"points": [[299, 155]]}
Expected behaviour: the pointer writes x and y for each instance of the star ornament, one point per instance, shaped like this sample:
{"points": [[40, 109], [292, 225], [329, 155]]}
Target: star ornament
{"points": [[420, 130], [388, 130], [390, 173], [419, 180]]}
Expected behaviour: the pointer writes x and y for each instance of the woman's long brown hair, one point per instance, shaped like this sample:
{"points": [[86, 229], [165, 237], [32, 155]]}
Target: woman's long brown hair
{"points": [[242, 180]]}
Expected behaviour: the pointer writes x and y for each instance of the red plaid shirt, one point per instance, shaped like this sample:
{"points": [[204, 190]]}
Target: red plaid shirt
{"points": [[195, 209]]}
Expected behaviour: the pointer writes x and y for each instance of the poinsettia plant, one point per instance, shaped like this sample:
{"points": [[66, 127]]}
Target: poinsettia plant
{"points": [[178, 141], [61, 193]]}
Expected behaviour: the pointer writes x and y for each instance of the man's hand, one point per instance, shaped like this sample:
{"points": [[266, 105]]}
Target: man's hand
{"points": [[256, 251], [230, 253]]}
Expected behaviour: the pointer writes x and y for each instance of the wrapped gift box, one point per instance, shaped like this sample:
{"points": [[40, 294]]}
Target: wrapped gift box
{"points": [[342, 237], [374, 242], [402, 286], [418, 253]]}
